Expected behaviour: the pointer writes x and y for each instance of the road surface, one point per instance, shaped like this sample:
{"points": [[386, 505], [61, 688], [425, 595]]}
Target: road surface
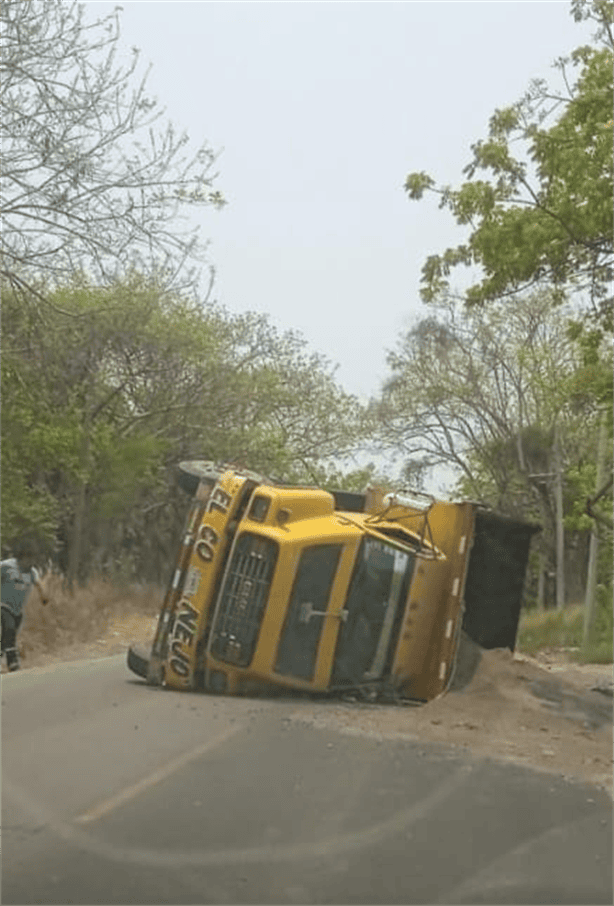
{"points": [[116, 793]]}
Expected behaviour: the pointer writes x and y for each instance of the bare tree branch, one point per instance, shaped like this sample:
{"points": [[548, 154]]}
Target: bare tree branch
{"points": [[92, 178]]}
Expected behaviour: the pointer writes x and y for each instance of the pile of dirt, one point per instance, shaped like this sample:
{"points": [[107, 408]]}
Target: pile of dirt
{"points": [[512, 709]]}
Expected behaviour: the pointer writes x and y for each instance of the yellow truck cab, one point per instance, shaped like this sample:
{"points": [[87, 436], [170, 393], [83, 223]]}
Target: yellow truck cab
{"points": [[295, 587]]}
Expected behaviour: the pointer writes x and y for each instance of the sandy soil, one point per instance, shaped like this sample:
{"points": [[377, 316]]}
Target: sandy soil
{"points": [[503, 714], [539, 712]]}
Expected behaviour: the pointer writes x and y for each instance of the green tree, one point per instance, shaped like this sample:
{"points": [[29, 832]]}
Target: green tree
{"points": [[92, 179], [114, 386], [71, 415], [469, 388], [495, 394], [537, 201]]}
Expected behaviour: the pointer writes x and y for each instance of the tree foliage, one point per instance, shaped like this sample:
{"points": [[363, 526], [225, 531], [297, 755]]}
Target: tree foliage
{"points": [[495, 394], [537, 199], [92, 179], [465, 384], [114, 386], [120, 376]]}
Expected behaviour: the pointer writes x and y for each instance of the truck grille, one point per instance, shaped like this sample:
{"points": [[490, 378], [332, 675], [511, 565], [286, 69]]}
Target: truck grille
{"points": [[243, 599]]}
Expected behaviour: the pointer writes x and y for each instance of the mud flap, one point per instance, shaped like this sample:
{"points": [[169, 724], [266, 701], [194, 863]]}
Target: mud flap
{"points": [[138, 661]]}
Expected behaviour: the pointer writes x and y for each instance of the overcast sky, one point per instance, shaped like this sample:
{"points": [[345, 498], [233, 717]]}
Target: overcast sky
{"points": [[319, 111]]}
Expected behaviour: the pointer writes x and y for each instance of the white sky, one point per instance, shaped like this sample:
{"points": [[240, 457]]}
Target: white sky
{"points": [[320, 110]]}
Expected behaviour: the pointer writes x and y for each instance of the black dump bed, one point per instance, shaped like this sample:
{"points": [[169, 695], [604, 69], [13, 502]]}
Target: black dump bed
{"points": [[495, 579]]}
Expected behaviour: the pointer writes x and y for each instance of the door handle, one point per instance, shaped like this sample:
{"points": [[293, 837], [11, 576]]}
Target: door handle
{"points": [[307, 612]]}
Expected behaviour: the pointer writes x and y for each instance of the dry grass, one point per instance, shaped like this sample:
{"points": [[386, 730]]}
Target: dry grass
{"points": [[80, 616], [542, 629], [563, 629]]}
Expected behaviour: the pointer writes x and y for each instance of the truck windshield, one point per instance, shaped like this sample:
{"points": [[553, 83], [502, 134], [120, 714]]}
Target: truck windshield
{"points": [[375, 609]]}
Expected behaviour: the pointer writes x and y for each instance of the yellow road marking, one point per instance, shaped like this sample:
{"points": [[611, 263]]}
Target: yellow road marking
{"points": [[325, 848], [108, 805]]}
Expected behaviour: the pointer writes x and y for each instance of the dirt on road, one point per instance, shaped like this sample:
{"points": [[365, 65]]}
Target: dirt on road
{"points": [[536, 711]]}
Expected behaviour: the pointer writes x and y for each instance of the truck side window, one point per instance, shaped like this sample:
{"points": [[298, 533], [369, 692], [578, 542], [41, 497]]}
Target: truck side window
{"points": [[259, 508]]}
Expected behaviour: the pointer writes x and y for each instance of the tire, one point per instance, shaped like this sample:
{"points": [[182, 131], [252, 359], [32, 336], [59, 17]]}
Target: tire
{"points": [[193, 472], [138, 661]]}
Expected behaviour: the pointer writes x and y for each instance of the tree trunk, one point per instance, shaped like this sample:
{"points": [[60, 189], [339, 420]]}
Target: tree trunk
{"points": [[560, 531], [590, 601], [76, 542], [541, 581]]}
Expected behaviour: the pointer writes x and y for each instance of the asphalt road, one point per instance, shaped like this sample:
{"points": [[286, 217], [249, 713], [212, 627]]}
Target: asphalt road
{"points": [[116, 793]]}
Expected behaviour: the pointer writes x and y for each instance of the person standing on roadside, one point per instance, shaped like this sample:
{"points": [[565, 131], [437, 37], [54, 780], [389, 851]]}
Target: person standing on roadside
{"points": [[18, 576]]}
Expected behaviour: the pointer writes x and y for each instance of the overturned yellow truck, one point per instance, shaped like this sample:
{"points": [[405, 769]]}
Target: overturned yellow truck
{"points": [[277, 586]]}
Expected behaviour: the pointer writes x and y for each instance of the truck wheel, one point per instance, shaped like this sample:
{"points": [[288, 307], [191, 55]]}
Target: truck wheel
{"points": [[191, 473], [138, 661]]}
